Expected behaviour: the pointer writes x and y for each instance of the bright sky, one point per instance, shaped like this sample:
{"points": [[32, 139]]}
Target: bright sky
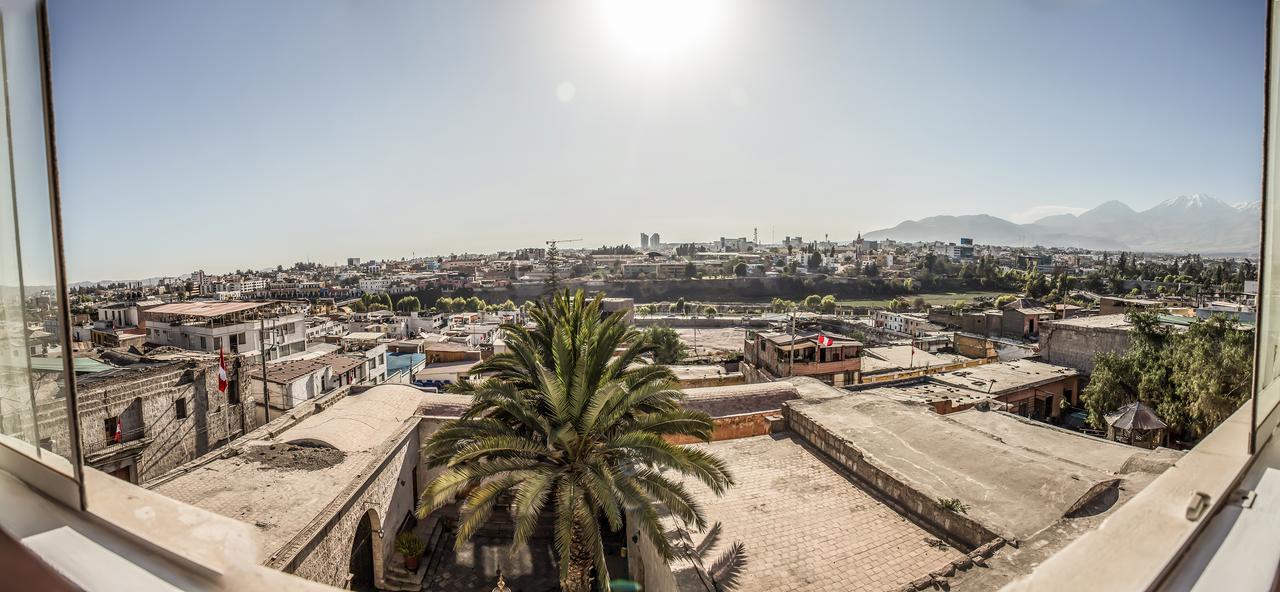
{"points": [[236, 134]]}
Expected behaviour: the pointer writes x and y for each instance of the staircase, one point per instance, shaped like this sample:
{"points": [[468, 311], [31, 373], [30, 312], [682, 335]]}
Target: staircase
{"points": [[397, 578]]}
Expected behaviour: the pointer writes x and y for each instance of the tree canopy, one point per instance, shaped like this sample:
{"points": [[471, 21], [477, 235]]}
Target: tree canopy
{"points": [[1194, 379], [666, 343]]}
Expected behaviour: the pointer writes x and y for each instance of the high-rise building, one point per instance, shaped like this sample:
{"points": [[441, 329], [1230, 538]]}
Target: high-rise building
{"points": [[654, 241], [644, 241]]}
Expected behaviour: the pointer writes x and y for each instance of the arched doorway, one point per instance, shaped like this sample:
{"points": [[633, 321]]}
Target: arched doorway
{"points": [[366, 552]]}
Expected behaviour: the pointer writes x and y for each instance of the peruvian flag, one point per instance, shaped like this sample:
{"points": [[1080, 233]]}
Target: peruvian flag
{"points": [[119, 435], [824, 340], [222, 372]]}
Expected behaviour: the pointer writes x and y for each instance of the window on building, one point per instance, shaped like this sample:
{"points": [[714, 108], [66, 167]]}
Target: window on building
{"points": [[204, 343], [217, 343], [233, 392], [109, 424], [180, 408]]}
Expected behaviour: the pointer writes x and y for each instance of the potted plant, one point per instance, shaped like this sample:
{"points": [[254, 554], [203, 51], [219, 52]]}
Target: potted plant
{"points": [[411, 547]]}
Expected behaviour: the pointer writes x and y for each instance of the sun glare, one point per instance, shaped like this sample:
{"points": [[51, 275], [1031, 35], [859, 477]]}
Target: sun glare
{"points": [[661, 30]]}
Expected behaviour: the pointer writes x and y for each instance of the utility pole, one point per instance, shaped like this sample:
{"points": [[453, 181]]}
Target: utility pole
{"points": [[266, 389], [791, 363]]}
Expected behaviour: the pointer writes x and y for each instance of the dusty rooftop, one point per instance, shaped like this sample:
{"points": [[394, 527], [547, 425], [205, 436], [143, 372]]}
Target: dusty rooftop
{"points": [[926, 390], [1017, 476], [724, 401], [898, 357], [283, 489], [1004, 377], [1111, 321], [694, 372]]}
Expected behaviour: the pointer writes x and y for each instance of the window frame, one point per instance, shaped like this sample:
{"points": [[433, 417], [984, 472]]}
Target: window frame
{"points": [[24, 34]]}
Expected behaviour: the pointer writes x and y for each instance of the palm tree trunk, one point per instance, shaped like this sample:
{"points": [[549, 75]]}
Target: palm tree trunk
{"points": [[579, 578], [580, 566]]}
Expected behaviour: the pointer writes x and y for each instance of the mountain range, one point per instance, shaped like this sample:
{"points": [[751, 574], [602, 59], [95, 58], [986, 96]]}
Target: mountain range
{"points": [[1185, 224]]}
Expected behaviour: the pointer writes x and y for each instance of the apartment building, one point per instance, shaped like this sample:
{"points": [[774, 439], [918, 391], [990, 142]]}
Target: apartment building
{"points": [[769, 355], [235, 327]]}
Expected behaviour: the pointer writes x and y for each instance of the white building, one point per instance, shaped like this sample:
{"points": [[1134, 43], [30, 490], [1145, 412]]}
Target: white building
{"points": [[234, 327]]}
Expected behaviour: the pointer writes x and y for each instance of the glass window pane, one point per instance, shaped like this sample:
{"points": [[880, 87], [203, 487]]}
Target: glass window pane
{"points": [[33, 404]]}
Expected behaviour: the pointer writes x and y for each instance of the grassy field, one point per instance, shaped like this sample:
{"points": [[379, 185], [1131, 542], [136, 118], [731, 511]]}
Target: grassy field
{"points": [[938, 298]]}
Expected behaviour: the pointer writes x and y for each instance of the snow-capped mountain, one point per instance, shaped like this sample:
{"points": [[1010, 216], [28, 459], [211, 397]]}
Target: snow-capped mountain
{"points": [[1187, 223]]}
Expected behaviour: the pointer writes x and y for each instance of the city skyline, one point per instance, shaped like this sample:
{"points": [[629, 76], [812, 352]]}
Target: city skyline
{"points": [[322, 131]]}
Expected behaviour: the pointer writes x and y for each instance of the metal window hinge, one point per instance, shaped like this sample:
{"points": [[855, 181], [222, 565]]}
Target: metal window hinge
{"points": [[1243, 498], [1198, 504]]}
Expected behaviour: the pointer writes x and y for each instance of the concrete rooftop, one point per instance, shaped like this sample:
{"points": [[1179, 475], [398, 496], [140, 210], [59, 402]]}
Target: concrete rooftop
{"points": [[279, 487], [1013, 487], [1004, 377]]}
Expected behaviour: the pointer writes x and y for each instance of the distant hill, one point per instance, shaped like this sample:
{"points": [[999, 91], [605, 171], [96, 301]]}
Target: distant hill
{"points": [[1184, 224]]}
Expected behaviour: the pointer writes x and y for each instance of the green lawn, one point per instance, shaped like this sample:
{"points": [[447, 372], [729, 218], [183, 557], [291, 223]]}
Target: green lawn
{"points": [[937, 298]]}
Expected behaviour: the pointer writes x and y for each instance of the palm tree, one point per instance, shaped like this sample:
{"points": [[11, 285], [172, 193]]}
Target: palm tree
{"points": [[564, 428], [667, 347]]}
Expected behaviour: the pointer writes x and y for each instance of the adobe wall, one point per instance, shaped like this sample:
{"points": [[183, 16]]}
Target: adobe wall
{"points": [[1074, 346]]}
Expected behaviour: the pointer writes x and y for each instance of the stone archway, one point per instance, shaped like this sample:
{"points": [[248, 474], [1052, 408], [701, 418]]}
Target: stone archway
{"points": [[365, 564]]}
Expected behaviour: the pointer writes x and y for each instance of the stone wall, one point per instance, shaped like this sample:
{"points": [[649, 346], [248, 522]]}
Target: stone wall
{"points": [[322, 551], [154, 439], [957, 529]]}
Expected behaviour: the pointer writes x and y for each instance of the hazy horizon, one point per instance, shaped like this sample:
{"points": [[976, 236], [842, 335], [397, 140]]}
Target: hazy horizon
{"points": [[236, 135]]}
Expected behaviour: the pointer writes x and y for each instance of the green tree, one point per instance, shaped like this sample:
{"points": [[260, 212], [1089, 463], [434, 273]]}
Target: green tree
{"points": [[565, 429], [812, 302], [666, 343], [444, 304], [815, 260], [377, 306], [409, 304], [710, 310], [828, 304], [474, 304], [781, 305], [508, 305], [645, 309], [679, 307], [1170, 371], [740, 269], [359, 306]]}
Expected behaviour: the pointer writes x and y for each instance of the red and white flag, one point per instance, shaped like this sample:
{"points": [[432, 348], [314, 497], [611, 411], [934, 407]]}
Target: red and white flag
{"points": [[222, 372], [119, 435], [824, 341]]}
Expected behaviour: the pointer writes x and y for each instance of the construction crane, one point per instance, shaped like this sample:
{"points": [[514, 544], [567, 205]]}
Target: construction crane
{"points": [[553, 278]]}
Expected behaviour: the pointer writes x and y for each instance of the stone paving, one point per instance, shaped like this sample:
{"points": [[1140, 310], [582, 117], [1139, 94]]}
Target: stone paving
{"points": [[474, 567], [808, 527]]}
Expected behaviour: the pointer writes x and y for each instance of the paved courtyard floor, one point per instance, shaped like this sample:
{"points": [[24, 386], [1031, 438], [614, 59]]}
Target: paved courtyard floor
{"points": [[474, 567], [808, 527]]}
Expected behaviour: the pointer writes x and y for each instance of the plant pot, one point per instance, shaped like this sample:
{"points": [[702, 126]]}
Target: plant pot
{"points": [[411, 562]]}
